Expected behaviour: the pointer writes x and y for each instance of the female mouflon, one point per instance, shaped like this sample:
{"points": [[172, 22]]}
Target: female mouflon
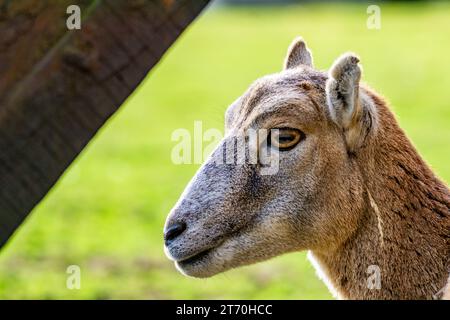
{"points": [[348, 186]]}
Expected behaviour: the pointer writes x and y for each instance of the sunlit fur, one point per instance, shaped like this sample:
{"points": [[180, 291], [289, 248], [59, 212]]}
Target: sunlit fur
{"points": [[354, 192]]}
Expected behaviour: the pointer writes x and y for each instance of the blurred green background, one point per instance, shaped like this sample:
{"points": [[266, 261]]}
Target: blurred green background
{"points": [[107, 212]]}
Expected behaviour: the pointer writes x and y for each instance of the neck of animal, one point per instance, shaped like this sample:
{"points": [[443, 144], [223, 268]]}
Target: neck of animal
{"points": [[401, 248]]}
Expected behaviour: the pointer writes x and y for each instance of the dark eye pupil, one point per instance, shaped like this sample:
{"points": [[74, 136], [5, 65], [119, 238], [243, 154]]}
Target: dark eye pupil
{"points": [[284, 138]]}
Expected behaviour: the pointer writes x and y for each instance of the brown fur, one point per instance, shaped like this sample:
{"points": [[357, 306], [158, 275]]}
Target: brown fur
{"points": [[413, 249], [354, 192]]}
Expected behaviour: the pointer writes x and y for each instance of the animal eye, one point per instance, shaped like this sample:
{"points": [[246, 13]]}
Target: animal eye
{"points": [[285, 138]]}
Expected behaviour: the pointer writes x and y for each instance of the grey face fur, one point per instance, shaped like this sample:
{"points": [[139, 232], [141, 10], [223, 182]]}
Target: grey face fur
{"points": [[233, 215]]}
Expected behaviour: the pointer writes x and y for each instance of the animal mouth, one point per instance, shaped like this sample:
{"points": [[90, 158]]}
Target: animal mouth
{"points": [[195, 258], [203, 258]]}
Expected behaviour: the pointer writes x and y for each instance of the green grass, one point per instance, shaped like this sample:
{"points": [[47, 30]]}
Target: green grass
{"points": [[106, 214]]}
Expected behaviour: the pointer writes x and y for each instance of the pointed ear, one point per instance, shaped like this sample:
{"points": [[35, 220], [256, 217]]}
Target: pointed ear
{"points": [[298, 54], [350, 108]]}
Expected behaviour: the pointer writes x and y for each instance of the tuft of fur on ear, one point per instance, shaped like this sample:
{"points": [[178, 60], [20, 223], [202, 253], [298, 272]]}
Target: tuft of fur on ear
{"points": [[298, 54], [349, 107]]}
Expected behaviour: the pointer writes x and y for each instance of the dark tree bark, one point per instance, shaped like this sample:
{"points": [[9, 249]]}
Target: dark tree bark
{"points": [[58, 87]]}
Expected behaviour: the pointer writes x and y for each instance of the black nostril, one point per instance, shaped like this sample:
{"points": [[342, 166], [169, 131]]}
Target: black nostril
{"points": [[174, 231]]}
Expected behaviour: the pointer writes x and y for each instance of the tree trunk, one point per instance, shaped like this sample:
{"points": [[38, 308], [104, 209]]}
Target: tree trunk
{"points": [[58, 87]]}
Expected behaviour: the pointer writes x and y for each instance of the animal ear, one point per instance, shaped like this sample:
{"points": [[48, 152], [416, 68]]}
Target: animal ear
{"points": [[352, 109], [298, 54]]}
